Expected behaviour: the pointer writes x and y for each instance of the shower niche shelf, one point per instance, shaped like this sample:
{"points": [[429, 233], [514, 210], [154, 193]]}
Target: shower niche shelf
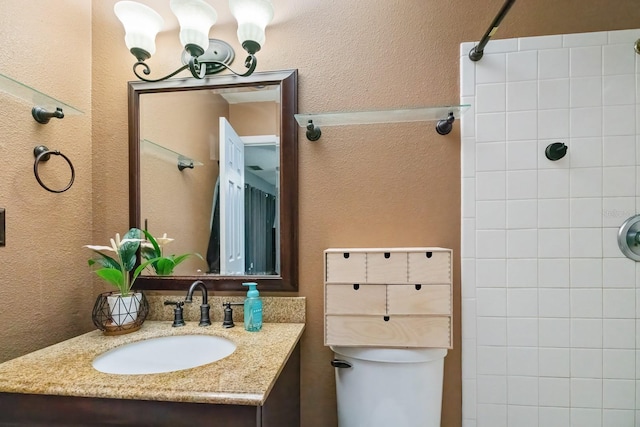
{"points": [[157, 150], [444, 115], [44, 106]]}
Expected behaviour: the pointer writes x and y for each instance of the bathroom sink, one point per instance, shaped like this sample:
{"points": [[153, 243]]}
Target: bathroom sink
{"points": [[164, 354]]}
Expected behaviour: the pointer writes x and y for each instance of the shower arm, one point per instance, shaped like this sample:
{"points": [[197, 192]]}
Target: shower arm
{"points": [[476, 53]]}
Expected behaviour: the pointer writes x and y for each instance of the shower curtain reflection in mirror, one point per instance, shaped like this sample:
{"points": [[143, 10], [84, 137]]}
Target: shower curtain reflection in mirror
{"points": [[260, 232]]}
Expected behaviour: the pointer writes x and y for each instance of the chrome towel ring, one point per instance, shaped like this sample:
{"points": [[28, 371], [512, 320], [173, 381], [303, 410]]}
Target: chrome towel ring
{"points": [[43, 154]]}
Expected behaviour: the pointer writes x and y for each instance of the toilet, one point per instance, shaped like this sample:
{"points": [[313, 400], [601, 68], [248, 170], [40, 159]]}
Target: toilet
{"points": [[382, 387]]}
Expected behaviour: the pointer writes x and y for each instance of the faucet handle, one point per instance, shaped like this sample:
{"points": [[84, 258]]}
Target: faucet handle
{"points": [[178, 320], [228, 314]]}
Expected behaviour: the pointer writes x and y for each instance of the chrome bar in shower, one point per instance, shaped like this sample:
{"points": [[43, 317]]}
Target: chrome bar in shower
{"points": [[476, 53]]}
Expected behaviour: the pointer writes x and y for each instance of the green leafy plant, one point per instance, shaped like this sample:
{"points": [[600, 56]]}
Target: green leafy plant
{"points": [[152, 250], [115, 268]]}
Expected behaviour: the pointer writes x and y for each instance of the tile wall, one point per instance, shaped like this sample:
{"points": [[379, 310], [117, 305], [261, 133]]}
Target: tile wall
{"points": [[550, 306]]}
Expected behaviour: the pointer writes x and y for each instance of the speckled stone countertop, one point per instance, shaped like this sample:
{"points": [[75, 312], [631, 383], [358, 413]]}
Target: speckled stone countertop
{"points": [[243, 378]]}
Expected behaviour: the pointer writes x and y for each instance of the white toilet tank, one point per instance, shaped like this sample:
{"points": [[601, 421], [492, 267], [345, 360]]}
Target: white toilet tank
{"points": [[388, 387]]}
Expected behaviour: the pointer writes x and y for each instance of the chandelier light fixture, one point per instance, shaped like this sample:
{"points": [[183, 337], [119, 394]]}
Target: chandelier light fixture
{"points": [[201, 55]]}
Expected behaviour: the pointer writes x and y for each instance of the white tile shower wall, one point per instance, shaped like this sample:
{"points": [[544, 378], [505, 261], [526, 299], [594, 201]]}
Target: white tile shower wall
{"points": [[550, 306]]}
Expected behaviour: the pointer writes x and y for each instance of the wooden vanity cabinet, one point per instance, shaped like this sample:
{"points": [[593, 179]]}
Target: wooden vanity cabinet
{"points": [[388, 297], [281, 409]]}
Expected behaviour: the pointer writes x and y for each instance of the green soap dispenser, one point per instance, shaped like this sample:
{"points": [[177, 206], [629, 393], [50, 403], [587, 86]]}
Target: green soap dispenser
{"points": [[252, 308]]}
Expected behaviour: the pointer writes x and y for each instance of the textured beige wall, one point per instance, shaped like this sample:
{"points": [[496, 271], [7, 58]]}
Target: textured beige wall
{"points": [[382, 185], [45, 285], [255, 118]]}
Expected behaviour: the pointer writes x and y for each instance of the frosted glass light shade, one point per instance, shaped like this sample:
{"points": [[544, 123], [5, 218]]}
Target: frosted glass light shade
{"points": [[141, 25], [196, 18], [253, 16]]}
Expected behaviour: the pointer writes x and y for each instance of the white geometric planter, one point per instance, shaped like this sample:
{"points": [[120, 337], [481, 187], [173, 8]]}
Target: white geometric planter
{"points": [[124, 310]]}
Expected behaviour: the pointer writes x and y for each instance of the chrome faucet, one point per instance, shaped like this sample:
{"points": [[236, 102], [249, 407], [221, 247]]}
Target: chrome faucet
{"points": [[204, 307]]}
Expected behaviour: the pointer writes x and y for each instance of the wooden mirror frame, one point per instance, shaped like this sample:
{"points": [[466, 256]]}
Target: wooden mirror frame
{"points": [[288, 81]]}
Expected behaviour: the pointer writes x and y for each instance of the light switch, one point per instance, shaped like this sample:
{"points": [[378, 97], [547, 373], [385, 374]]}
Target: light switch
{"points": [[2, 225]]}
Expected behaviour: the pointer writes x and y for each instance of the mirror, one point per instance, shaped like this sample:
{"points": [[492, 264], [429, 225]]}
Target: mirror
{"points": [[186, 137]]}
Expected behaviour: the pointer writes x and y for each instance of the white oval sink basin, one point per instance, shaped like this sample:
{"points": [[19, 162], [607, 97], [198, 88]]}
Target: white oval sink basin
{"points": [[164, 354]]}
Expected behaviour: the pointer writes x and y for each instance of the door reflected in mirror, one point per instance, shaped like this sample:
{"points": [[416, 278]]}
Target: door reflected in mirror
{"points": [[216, 171]]}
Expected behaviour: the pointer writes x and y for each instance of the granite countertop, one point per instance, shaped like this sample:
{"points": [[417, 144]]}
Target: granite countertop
{"points": [[243, 378]]}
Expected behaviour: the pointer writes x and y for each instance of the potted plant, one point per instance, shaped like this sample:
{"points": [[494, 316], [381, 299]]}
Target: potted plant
{"points": [[116, 262], [152, 250]]}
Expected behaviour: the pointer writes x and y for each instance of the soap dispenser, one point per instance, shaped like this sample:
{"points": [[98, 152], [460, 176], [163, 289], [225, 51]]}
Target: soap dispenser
{"points": [[252, 308]]}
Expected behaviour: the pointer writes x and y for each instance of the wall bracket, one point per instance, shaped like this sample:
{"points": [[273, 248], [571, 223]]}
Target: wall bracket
{"points": [[41, 115]]}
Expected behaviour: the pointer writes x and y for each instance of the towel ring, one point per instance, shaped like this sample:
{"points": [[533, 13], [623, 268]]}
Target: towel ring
{"points": [[42, 153]]}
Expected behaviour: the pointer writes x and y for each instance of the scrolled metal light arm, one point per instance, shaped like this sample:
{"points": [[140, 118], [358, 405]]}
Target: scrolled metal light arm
{"points": [[198, 68]]}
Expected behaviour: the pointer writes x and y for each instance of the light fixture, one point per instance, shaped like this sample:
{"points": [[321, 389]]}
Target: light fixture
{"points": [[202, 55]]}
